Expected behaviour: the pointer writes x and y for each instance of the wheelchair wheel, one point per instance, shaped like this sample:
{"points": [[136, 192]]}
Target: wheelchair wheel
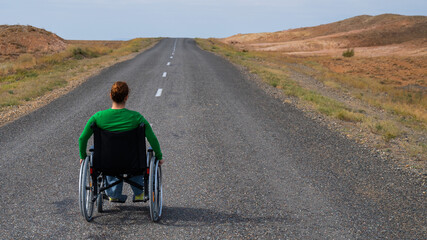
{"points": [[155, 190], [86, 190], [100, 197]]}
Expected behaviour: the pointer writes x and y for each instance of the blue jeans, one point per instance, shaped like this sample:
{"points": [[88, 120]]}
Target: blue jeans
{"points": [[116, 191]]}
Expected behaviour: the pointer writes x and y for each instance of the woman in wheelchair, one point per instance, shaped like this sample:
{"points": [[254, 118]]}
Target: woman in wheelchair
{"points": [[120, 119]]}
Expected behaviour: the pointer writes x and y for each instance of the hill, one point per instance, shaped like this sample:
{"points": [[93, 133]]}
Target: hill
{"points": [[386, 34], [18, 39]]}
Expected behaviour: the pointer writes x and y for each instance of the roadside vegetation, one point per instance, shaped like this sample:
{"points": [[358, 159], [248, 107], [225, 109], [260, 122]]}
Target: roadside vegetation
{"points": [[32, 75], [348, 53], [397, 115]]}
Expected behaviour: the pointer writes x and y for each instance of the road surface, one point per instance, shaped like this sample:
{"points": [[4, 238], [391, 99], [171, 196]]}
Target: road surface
{"points": [[239, 163]]}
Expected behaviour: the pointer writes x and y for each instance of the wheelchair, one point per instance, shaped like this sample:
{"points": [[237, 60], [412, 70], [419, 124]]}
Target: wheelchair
{"points": [[121, 155]]}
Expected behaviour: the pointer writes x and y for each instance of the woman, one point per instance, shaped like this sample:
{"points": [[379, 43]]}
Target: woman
{"points": [[120, 119]]}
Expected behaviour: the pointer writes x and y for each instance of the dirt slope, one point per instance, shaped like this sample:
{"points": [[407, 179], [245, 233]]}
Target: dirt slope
{"points": [[386, 34], [18, 39]]}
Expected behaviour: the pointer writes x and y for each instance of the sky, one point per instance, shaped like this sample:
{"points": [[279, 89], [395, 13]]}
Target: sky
{"points": [[127, 19]]}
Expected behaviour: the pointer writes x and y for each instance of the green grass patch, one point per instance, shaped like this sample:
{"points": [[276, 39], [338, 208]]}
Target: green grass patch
{"points": [[9, 102], [386, 128]]}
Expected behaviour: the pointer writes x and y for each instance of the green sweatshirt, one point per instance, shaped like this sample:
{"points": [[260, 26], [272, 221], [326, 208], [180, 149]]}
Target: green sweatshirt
{"points": [[118, 120]]}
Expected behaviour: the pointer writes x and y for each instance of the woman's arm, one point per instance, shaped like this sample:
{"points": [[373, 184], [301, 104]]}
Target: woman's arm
{"points": [[84, 137], [152, 139]]}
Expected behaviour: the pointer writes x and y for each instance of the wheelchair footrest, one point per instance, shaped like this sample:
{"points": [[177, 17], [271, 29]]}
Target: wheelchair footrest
{"points": [[142, 200], [117, 200]]}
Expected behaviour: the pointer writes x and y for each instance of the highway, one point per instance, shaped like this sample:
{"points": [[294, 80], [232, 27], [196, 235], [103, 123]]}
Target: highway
{"points": [[239, 163]]}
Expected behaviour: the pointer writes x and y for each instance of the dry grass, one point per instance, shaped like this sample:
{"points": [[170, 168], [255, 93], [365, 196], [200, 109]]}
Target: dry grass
{"points": [[378, 83], [349, 116], [31, 75], [389, 129]]}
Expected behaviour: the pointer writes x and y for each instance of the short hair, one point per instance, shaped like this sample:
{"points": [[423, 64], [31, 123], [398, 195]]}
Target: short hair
{"points": [[119, 91]]}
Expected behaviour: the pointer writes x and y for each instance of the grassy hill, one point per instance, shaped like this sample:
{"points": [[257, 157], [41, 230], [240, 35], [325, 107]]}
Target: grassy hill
{"points": [[410, 32]]}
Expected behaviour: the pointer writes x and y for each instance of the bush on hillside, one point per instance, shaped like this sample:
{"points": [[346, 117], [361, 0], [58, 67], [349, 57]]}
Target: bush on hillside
{"points": [[348, 53], [90, 52]]}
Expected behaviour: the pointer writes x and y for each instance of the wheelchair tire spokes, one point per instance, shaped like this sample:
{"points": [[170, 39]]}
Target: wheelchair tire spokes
{"points": [[86, 190], [160, 192], [155, 190]]}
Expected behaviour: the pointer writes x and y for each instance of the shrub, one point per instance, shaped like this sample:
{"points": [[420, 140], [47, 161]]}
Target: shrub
{"points": [[89, 52], [78, 53], [348, 53]]}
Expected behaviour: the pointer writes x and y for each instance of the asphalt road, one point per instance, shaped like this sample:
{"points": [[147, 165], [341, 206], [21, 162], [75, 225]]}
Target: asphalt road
{"points": [[239, 163]]}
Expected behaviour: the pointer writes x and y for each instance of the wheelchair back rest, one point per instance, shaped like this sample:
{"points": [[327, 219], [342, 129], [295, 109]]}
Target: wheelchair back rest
{"points": [[119, 152]]}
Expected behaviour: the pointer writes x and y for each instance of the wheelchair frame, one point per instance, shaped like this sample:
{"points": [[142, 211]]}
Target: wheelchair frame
{"points": [[92, 187]]}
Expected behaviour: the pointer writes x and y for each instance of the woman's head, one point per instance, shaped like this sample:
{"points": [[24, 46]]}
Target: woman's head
{"points": [[119, 92]]}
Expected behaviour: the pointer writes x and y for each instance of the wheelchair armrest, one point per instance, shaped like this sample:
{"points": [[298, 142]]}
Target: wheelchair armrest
{"points": [[92, 148]]}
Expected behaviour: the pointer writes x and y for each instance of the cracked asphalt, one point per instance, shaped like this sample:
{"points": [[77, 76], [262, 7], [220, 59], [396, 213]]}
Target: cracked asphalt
{"points": [[240, 164]]}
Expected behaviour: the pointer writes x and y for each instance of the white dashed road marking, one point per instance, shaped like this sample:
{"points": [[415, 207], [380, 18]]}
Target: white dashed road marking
{"points": [[159, 92]]}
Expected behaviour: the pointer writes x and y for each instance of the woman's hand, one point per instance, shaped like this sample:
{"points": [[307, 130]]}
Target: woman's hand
{"points": [[81, 160], [161, 162]]}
